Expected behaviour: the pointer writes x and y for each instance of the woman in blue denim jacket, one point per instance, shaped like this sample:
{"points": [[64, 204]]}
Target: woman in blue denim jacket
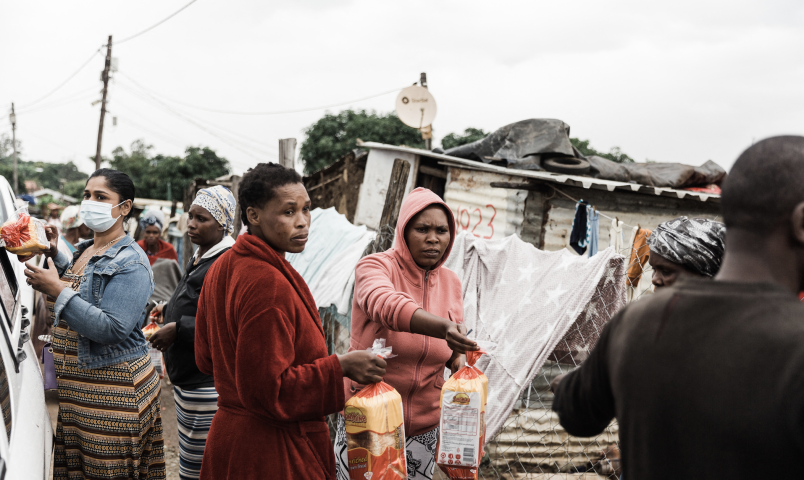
{"points": [[109, 422]]}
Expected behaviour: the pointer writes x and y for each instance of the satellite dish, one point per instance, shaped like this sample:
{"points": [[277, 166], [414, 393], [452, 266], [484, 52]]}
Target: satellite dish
{"points": [[416, 107]]}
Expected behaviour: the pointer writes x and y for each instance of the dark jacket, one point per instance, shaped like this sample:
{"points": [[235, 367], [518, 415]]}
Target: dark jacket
{"points": [[181, 309]]}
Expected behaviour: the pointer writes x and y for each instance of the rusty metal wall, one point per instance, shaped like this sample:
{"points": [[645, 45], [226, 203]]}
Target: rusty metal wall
{"points": [[487, 212]]}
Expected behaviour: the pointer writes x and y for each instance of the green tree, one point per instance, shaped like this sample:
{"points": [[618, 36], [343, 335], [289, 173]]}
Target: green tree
{"points": [[153, 173], [470, 135], [333, 136], [46, 174], [615, 154]]}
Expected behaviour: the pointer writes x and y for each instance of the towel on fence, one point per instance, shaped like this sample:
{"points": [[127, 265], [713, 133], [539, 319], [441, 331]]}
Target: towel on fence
{"points": [[327, 263], [527, 300]]}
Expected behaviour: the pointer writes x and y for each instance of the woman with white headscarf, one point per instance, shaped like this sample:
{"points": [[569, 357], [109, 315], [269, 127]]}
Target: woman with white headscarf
{"points": [[210, 225]]}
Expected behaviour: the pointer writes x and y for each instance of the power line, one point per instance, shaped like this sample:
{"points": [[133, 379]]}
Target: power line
{"points": [[198, 123], [154, 25], [126, 119], [49, 106], [64, 82], [278, 112], [183, 117], [63, 99]]}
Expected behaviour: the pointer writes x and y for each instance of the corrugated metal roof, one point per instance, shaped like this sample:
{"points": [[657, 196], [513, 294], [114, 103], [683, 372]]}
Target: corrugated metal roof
{"points": [[574, 180]]}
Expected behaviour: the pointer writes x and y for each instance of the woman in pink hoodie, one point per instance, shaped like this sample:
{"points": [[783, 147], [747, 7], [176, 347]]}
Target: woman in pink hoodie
{"points": [[406, 296]]}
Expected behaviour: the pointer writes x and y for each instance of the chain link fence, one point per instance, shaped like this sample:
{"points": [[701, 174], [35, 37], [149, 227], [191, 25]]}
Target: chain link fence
{"points": [[532, 444]]}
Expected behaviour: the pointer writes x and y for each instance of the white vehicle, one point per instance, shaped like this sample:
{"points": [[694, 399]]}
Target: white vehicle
{"points": [[26, 442]]}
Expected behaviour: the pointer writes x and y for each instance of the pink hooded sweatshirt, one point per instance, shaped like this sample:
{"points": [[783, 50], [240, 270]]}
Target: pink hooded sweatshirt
{"points": [[389, 288]]}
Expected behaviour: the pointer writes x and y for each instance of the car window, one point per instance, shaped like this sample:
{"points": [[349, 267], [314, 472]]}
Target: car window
{"points": [[8, 288], [6, 210], [5, 398]]}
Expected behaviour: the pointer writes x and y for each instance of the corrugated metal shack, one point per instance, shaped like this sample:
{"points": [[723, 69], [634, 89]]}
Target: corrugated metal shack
{"points": [[339, 184], [493, 202], [532, 205]]}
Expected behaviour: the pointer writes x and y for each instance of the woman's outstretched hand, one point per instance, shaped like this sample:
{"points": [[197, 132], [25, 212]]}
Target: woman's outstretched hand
{"points": [[362, 366], [457, 340], [425, 323]]}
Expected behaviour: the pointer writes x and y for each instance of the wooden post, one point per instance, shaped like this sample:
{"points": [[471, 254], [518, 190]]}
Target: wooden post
{"points": [[287, 152], [105, 78], [393, 201], [237, 220]]}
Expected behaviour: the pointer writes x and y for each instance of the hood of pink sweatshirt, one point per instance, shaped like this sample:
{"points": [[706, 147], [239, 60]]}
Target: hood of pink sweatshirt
{"points": [[415, 202], [389, 288]]}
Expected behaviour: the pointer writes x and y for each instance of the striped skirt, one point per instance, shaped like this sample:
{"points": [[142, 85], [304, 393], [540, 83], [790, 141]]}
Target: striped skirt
{"points": [[194, 412], [109, 424]]}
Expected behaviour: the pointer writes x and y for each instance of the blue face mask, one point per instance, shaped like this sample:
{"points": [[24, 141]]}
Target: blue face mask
{"points": [[98, 215]]}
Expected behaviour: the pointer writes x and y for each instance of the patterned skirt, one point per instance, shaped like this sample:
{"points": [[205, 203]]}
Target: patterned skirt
{"points": [[109, 424], [194, 412]]}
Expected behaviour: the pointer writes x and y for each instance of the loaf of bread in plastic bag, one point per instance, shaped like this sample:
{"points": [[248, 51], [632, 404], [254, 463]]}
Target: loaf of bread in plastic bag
{"points": [[24, 235]]}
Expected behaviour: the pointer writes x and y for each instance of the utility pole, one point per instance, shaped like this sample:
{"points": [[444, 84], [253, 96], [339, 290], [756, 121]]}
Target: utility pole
{"points": [[105, 77], [287, 152], [13, 119], [427, 132]]}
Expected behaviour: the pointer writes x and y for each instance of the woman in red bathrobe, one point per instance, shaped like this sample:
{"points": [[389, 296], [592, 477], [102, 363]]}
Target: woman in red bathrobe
{"points": [[259, 334]]}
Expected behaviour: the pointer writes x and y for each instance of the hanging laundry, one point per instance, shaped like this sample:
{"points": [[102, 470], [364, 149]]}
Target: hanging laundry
{"points": [[529, 302], [640, 253], [616, 235], [579, 228], [593, 232]]}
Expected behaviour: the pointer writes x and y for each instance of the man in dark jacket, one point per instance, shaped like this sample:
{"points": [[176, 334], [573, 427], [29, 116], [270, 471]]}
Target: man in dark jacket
{"points": [[706, 378]]}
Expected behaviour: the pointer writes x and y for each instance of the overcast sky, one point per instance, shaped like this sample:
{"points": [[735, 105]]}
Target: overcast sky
{"points": [[681, 81]]}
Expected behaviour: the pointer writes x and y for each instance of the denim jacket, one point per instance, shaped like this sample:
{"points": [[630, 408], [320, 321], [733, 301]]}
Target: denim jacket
{"points": [[108, 306]]}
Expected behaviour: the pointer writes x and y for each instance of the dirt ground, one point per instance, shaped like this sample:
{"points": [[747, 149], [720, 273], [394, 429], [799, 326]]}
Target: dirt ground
{"points": [[169, 426]]}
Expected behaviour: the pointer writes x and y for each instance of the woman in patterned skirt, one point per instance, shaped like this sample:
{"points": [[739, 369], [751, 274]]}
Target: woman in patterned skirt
{"points": [[109, 424]]}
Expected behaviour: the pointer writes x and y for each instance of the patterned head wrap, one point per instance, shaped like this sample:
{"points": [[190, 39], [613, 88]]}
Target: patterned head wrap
{"points": [[220, 203], [71, 217], [152, 217], [697, 244]]}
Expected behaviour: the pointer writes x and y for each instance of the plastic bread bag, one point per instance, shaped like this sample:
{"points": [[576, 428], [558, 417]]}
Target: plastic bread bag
{"points": [[462, 429], [23, 234], [375, 429], [150, 329]]}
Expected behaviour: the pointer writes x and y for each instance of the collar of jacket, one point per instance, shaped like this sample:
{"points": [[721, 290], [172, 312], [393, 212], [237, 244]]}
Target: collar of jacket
{"points": [[415, 202], [251, 246], [111, 252]]}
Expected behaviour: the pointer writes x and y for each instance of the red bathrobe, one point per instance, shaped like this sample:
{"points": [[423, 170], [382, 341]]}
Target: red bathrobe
{"points": [[259, 334]]}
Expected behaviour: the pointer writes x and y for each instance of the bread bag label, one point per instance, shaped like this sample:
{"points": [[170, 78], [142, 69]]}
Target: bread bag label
{"points": [[460, 428]]}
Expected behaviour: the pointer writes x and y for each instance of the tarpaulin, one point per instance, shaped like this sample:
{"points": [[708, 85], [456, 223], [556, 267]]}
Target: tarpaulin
{"points": [[328, 261], [522, 143], [530, 302], [670, 175]]}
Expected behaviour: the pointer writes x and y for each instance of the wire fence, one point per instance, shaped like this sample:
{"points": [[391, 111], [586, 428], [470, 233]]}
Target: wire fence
{"points": [[532, 444]]}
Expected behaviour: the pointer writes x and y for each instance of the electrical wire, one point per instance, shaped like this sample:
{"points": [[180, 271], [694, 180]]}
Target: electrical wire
{"points": [[49, 106], [59, 101], [26, 131], [198, 123], [64, 82], [154, 25], [228, 141], [278, 112], [99, 50]]}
